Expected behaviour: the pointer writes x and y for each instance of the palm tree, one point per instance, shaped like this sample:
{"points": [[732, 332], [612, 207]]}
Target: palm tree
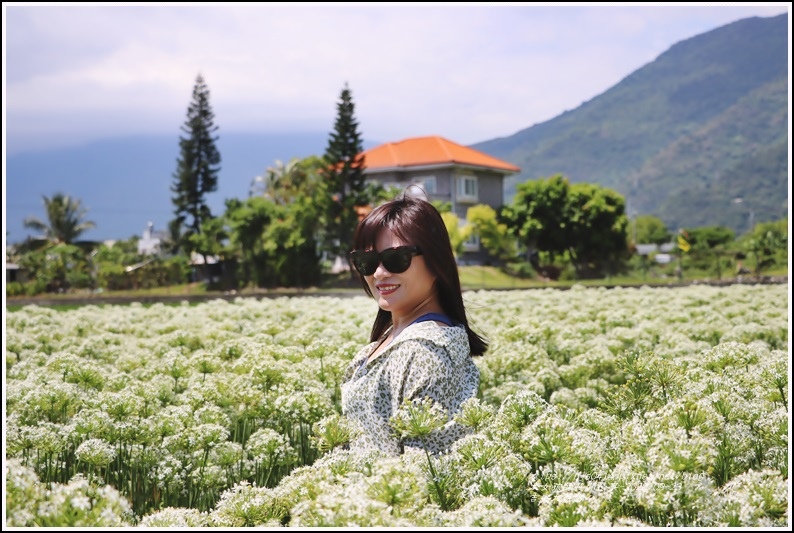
{"points": [[65, 220], [283, 183], [56, 254]]}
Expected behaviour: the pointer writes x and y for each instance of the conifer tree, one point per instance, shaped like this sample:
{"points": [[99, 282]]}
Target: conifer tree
{"points": [[197, 168], [344, 177]]}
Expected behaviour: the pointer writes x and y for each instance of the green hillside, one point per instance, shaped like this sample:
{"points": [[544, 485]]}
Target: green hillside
{"points": [[681, 137]]}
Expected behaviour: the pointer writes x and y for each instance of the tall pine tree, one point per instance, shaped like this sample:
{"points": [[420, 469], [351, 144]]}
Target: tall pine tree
{"points": [[344, 178], [197, 169]]}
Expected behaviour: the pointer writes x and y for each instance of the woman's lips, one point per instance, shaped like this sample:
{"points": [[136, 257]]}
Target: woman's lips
{"points": [[386, 289]]}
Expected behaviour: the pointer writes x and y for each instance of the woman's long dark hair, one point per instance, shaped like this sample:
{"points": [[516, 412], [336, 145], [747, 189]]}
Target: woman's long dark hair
{"points": [[418, 223]]}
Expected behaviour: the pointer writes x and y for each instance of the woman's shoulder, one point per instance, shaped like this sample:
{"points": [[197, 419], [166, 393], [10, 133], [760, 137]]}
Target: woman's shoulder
{"points": [[437, 338], [433, 331]]}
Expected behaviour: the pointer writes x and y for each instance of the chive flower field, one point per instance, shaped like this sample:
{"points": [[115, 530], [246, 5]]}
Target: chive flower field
{"points": [[597, 407]]}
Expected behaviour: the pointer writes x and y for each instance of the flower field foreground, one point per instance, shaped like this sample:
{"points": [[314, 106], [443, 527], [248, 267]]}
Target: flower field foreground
{"points": [[597, 407]]}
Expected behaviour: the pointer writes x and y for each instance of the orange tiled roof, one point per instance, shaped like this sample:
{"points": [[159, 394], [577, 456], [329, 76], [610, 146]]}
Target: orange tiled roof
{"points": [[362, 211], [424, 151]]}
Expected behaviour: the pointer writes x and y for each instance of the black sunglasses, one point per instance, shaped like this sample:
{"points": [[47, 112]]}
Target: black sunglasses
{"points": [[395, 260]]}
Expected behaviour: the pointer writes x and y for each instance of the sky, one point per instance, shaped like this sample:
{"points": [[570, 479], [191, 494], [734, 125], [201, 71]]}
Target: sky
{"points": [[470, 72]]}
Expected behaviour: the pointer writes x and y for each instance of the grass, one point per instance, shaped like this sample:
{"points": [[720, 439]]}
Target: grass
{"points": [[487, 277], [472, 277], [185, 288]]}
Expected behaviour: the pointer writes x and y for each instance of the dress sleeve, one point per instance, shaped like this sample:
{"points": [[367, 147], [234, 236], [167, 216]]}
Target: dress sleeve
{"points": [[428, 371]]}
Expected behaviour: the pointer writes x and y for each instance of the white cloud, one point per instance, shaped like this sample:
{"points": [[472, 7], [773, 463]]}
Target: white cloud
{"points": [[468, 72]]}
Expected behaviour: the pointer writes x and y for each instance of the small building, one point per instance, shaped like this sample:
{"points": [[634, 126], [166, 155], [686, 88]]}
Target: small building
{"points": [[149, 243], [662, 254], [14, 273], [446, 171]]}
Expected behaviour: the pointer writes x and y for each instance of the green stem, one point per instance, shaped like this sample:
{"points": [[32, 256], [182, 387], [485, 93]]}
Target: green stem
{"points": [[441, 496], [270, 467]]}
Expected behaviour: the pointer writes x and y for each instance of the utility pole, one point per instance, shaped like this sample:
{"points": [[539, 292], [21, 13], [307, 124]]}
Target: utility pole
{"points": [[750, 215]]}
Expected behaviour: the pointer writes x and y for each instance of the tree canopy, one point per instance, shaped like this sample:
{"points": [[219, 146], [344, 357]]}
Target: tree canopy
{"points": [[275, 232], [197, 169], [493, 235], [344, 181], [650, 229], [584, 221], [65, 219]]}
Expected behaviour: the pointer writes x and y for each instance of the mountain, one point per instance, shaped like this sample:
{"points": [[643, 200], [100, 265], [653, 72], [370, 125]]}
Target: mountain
{"points": [[682, 137]]}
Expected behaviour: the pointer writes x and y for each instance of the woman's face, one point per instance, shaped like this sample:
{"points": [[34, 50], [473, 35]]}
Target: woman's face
{"points": [[402, 293]]}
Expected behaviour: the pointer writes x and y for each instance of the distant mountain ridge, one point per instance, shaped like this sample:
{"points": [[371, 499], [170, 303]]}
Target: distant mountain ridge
{"points": [[672, 136], [681, 138]]}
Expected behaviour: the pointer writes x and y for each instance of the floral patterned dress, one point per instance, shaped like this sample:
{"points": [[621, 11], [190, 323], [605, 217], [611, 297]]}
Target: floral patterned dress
{"points": [[425, 360]]}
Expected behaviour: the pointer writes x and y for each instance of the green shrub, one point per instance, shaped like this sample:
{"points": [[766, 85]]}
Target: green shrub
{"points": [[15, 288], [36, 286]]}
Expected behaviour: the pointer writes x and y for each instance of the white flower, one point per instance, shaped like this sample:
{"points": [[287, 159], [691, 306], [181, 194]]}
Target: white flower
{"points": [[96, 452]]}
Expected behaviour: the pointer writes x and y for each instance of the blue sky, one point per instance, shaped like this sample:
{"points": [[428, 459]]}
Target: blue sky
{"points": [[467, 71]]}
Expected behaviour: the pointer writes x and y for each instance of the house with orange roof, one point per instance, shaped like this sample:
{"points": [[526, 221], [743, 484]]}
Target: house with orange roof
{"points": [[447, 171]]}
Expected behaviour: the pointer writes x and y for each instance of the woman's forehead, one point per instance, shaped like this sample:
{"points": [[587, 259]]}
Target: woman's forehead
{"points": [[388, 238]]}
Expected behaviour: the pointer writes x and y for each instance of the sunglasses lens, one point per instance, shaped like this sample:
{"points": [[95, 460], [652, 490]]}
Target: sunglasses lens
{"points": [[365, 262], [396, 261]]}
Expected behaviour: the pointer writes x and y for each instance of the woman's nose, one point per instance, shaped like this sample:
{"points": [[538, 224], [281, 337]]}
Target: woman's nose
{"points": [[381, 271]]}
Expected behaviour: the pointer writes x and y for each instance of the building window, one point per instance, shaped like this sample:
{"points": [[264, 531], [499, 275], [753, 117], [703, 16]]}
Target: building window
{"points": [[427, 183], [467, 189], [472, 244]]}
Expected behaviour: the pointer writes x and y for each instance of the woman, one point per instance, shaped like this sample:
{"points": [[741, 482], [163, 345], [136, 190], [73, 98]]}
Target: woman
{"points": [[421, 343]]}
